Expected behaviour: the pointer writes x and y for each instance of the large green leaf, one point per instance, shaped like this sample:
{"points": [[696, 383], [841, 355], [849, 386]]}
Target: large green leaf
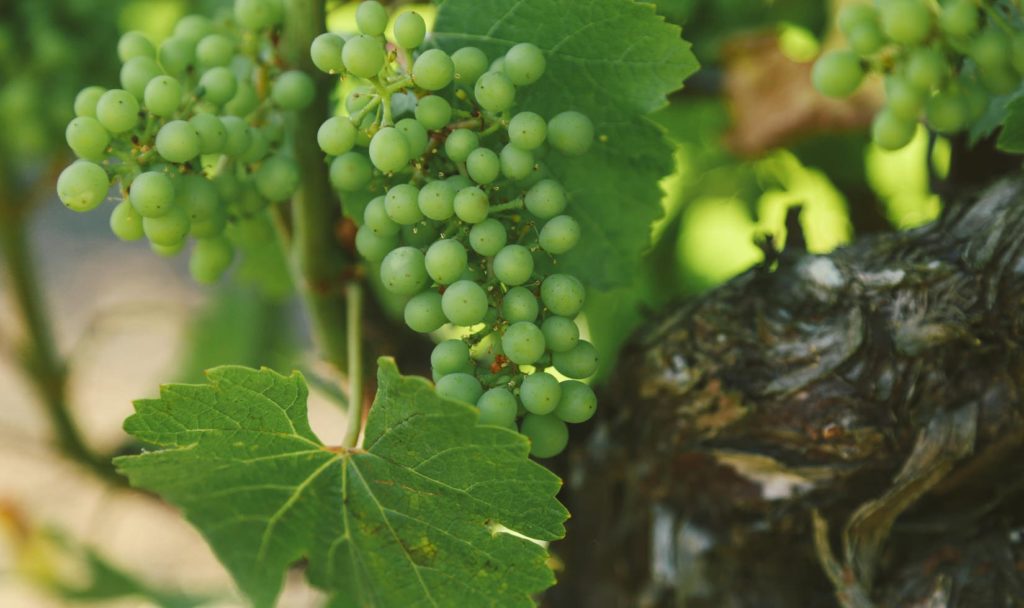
{"points": [[614, 60], [1011, 139], [419, 516]]}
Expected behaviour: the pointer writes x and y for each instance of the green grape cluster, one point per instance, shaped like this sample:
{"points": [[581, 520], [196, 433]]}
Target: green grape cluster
{"points": [[465, 219], [194, 136], [943, 63]]}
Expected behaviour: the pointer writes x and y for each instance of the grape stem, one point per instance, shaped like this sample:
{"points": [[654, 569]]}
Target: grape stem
{"points": [[399, 85], [354, 302], [516, 203], [385, 102]]}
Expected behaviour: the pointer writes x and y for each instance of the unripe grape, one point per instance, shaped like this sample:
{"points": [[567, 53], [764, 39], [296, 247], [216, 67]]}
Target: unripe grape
{"points": [[488, 237], [177, 142], [523, 343], [363, 56], [293, 90], [403, 271], [559, 235], [891, 132], [852, 15], [423, 312], [410, 29], [527, 130], [433, 112], [460, 144], [545, 199], [177, 54], [837, 73], [437, 200], [866, 38], [151, 194], [401, 204], [519, 304], [210, 259], [471, 205], [375, 217], [540, 393], [358, 99], [959, 18], [415, 136], [214, 50], [198, 197], [548, 435], [991, 49], [903, 100], [86, 100], [136, 74], [278, 178], [516, 163], [498, 407], [907, 22], [213, 136], [926, 68], [446, 261], [946, 112], [87, 137], [336, 136], [371, 18], [168, 229], [513, 265], [219, 85], [449, 357], [470, 63], [118, 111], [389, 150], [237, 130], [325, 51], [578, 402], [134, 44], [524, 64], [460, 387], [126, 223], [258, 14], [560, 333], [82, 186], [211, 226], [167, 251], [494, 92], [162, 96], [578, 362], [373, 246], [258, 146], [194, 27], [244, 102], [562, 294], [483, 166], [464, 303], [571, 133], [433, 70]]}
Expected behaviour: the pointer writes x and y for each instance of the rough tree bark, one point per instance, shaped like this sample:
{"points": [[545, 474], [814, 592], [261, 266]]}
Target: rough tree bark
{"points": [[841, 430]]}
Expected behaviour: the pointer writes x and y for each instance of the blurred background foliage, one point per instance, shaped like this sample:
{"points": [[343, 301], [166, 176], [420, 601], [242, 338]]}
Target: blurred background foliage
{"points": [[751, 139]]}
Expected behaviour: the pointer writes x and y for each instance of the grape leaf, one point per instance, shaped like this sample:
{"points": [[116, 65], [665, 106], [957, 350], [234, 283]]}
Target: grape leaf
{"points": [[1011, 139], [420, 516], [615, 61]]}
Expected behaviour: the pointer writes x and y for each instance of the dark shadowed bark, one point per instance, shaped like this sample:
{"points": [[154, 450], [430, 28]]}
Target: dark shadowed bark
{"points": [[841, 430]]}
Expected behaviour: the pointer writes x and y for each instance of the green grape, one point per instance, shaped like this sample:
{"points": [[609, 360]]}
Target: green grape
{"points": [[214, 50], [210, 259], [578, 362], [237, 130], [548, 435], [446, 261], [278, 178], [363, 56], [375, 216], [125, 222], [516, 163], [891, 132], [524, 64], [136, 74], [458, 181], [211, 226], [540, 393], [213, 136], [419, 235], [460, 143], [460, 387], [903, 100], [959, 18], [494, 92], [374, 246], [464, 303], [571, 133], [293, 90], [410, 30], [336, 136], [483, 166], [433, 112], [906, 22], [350, 172], [177, 141], [401, 204], [389, 150], [325, 51], [162, 96], [560, 333], [852, 15], [151, 194], [194, 27], [866, 38], [198, 197], [471, 205], [258, 14], [244, 102], [358, 99], [433, 70], [86, 100], [578, 402], [513, 265], [437, 200], [523, 343], [545, 199], [117, 110], [488, 237], [470, 63], [423, 312], [403, 271], [559, 235], [415, 135], [87, 137], [134, 44], [371, 18], [519, 304], [527, 130], [562, 294], [498, 65], [82, 186], [168, 251], [946, 112], [926, 68], [219, 85], [168, 229], [249, 200], [991, 49], [449, 357], [498, 407], [177, 54], [837, 73]]}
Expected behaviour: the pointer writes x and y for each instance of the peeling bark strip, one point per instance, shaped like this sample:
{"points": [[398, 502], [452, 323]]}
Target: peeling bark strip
{"points": [[878, 387]]}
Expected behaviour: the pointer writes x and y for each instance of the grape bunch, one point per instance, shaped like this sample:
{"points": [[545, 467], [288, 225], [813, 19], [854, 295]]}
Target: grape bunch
{"points": [[464, 219], [194, 137], [943, 64]]}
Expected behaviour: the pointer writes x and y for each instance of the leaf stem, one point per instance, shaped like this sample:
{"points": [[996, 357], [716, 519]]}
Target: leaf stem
{"points": [[354, 302]]}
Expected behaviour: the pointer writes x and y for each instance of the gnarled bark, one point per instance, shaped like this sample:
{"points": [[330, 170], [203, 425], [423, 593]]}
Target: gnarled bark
{"points": [[839, 430]]}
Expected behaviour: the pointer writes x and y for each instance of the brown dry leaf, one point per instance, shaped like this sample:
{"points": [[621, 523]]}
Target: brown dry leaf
{"points": [[772, 101]]}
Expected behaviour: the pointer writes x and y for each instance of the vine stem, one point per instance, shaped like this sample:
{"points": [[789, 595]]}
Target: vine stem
{"points": [[354, 301]]}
